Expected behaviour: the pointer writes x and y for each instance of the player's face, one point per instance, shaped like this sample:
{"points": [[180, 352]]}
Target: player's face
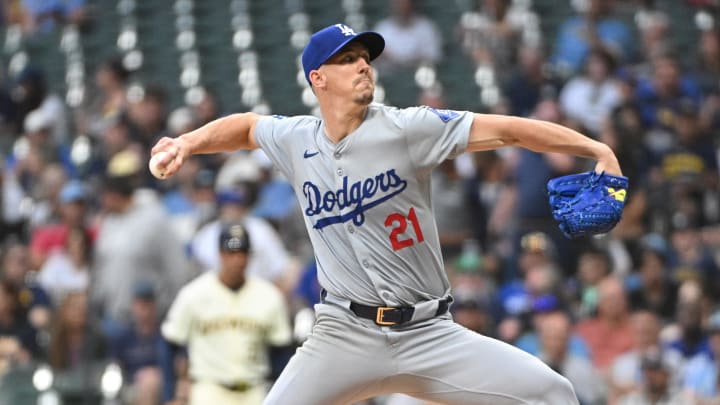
{"points": [[349, 72], [233, 263]]}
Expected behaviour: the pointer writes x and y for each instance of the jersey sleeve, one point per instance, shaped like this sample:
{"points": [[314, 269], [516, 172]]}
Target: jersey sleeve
{"points": [[271, 133], [435, 135], [177, 324]]}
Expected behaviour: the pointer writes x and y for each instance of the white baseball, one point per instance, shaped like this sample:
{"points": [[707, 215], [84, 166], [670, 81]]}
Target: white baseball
{"points": [[155, 168]]}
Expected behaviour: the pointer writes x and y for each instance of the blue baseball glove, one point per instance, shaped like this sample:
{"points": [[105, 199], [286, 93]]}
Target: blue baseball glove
{"points": [[587, 203]]}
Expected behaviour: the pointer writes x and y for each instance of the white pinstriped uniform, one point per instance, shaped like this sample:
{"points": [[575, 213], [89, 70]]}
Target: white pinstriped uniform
{"points": [[227, 333]]}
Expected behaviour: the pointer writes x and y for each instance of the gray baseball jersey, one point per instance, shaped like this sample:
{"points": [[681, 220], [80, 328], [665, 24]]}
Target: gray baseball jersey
{"points": [[368, 211], [366, 199]]}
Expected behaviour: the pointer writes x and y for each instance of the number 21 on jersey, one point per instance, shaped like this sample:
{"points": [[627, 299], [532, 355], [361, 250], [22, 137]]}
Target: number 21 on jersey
{"points": [[398, 222]]}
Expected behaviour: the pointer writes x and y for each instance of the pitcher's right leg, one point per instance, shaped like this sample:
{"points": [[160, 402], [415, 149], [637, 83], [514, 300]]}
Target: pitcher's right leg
{"points": [[344, 360]]}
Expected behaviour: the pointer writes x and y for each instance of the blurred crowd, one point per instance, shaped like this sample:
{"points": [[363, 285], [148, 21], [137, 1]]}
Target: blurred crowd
{"points": [[94, 249]]}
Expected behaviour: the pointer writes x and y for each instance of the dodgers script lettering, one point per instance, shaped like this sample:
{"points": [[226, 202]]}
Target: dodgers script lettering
{"points": [[360, 196]]}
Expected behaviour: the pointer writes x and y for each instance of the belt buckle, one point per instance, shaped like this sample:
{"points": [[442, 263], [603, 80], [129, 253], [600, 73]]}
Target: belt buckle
{"points": [[381, 315]]}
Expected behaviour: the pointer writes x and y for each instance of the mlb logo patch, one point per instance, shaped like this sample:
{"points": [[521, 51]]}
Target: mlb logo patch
{"points": [[445, 115]]}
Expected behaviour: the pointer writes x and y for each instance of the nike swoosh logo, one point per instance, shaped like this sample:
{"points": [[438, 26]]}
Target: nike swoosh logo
{"points": [[309, 154]]}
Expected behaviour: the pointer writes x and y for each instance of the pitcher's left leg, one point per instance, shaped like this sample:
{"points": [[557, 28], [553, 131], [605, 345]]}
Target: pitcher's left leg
{"points": [[446, 363]]}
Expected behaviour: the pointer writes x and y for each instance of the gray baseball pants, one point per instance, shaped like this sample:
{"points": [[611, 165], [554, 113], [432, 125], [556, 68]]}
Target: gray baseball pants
{"points": [[348, 359]]}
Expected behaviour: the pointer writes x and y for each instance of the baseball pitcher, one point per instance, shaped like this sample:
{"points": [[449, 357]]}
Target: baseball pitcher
{"points": [[361, 173]]}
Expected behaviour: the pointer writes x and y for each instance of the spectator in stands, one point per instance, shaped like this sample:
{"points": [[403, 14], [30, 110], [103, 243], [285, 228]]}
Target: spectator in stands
{"points": [[707, 70], [177, 192], [109, 100], [137, 348], [594, 27], [544, 307], [38, 133], [148, 114], [34, 301], [609, 333], [588, 99], [537, 275], [555, 332], [118, 136], [707, 66], [12, 217], [135, 242], [656, 387], [653, 26], [18, 339], [192, 202], [693, 259], [28, 169], [68, 270], [277, 204], [701, 377], [45, 193], [593, 266], [474, 314], [31, 92], [657, 291], [180, 120], [537, 250], [689, 167], [528, 83], [483, 190], [659, 95], [492, 34], [207, 108], [410, 38], [77, 350], [625, 374], [74, 199], [450, 208], [44, 16], [270, 259], [520, 299], [692, 339]]}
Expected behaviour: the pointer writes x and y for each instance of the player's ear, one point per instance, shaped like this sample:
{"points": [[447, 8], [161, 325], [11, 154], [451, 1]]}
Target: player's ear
{"points": [[317, 79]]}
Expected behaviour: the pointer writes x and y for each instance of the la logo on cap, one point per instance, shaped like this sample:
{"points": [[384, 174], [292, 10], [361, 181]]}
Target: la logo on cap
{"points": [[347, 31]]}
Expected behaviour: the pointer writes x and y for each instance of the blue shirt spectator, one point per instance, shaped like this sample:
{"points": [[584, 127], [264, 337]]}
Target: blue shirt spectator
{"points": [[701, 372], [660, 96], [46, 14], [579, 34], [138, 346]]}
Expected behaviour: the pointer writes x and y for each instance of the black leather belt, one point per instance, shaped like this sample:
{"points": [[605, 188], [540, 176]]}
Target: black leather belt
{"points": [[237, 387], [387, 316], [240, 386]]}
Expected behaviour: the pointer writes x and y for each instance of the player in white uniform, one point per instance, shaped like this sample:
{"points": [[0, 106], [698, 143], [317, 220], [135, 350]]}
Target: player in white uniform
{"points": [[227, 320], [362, 176]]}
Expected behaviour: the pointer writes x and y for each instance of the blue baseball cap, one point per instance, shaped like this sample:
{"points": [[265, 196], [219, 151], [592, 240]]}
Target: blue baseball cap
{"points": [[73, 191], [329, 40]]}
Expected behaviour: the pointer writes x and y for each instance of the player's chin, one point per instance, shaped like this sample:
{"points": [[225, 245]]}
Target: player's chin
{"points": [[364, 99], [366, 96]]}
